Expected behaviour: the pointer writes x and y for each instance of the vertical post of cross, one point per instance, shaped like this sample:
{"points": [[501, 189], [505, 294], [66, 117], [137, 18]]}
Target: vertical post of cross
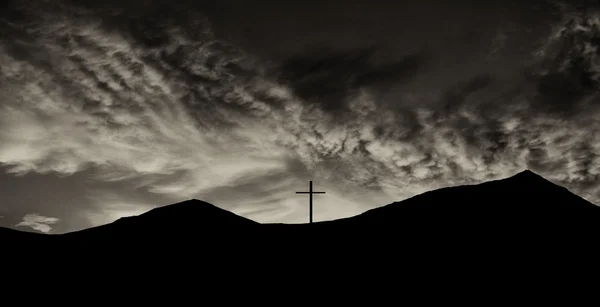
{"points": [[310, 204]]}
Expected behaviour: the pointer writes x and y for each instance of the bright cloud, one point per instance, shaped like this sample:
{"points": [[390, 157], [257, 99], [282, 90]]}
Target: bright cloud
{"points": [[38, 222]]}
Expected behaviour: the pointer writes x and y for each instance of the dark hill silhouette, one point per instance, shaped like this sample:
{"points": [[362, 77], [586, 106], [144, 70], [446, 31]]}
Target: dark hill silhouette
{"points": [[522, 209], [16, 234], [516, 208], [183, 219]]}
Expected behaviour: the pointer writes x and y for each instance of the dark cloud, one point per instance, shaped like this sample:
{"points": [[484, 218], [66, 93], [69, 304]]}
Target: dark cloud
{"points": [[329, 77], [455, 97], [568, 74]]}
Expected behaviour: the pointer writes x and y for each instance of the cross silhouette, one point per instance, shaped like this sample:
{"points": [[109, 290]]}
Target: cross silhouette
{"points": [[310, 192]]}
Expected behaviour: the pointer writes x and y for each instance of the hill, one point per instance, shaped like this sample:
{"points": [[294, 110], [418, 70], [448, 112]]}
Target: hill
{"points": [[523, 206]]}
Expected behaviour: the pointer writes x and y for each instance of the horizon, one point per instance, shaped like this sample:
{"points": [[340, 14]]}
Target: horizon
{"points": [[309, 220]]}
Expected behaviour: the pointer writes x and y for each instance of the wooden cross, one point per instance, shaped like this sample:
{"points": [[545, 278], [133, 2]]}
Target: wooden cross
{"points": [[310, 192]]}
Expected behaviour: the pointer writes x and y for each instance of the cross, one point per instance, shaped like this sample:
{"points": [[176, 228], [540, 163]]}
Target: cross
{"points": [[310, 192]]}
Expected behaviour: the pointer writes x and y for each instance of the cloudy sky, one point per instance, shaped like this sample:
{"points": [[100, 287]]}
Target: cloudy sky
{"points": [[109, 108]]}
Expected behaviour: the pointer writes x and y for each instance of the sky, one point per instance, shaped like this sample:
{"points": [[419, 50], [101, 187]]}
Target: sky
{"points": [[110, 108]]}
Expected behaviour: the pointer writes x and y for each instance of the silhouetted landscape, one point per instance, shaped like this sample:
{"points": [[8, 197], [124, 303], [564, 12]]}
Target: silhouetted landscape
{"points": [[516, 209], [145, 144]]}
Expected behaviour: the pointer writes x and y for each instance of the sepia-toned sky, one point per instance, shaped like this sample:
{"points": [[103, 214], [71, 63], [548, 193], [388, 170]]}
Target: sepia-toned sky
{"points": [[111, 108]]}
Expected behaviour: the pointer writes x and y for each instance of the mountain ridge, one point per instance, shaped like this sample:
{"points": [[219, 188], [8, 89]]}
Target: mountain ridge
{"points": [[525, 197]]}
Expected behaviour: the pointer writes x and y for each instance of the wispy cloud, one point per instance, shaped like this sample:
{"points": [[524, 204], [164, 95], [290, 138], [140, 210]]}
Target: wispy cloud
{"points": [[107, 100], [38, 222]]}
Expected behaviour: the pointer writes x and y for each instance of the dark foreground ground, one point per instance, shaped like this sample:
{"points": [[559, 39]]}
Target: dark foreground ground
{"points": [[498, 242]]}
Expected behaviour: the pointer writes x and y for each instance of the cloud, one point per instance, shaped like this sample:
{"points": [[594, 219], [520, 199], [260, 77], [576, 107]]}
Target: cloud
{"points": [[163, 102], [329, 77], [112, 101], [569, 73], [38, 222]]}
